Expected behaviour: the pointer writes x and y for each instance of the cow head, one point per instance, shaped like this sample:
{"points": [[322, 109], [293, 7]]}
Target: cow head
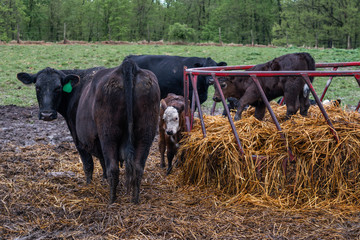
{"points": [[228, 88], [205, 81], [171, 118], [51, 85]]}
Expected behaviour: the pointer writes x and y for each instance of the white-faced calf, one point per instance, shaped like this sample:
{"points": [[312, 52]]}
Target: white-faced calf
{"points": [[171, 126]]}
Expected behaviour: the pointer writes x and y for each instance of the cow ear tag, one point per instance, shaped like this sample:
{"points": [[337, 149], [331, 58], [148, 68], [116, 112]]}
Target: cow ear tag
{"points": [[67, 87]]}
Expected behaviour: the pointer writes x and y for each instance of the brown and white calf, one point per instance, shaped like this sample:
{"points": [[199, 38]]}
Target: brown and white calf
{"points": [[171, 126]]}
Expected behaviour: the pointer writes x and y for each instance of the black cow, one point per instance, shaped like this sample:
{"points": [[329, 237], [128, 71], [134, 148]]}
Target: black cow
{"points": [[169, 72], [111, 114], [292, 88]]}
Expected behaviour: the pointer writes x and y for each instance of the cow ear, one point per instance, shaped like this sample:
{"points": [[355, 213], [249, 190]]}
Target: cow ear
{"points": [[72, 79], [69, 82], [26, 78], [163, 104], [222, 64]]}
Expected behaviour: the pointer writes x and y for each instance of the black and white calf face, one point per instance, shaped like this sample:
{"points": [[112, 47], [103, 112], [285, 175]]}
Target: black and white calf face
{"points": [[171, 120], [49, 85]]}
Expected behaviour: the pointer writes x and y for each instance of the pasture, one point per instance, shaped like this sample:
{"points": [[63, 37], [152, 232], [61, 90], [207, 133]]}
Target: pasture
{"points": [[42, 185], [32, 58]]}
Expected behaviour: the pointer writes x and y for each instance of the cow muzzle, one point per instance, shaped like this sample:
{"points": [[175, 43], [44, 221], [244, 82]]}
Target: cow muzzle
{"points": [[170, 133], [47, 115], [216, 99]]}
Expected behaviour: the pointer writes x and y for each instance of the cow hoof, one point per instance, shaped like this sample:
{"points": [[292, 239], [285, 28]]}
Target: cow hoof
{"points": [[88, 180], [112, 200], [168, 171], [135, 200], [162, 165]]}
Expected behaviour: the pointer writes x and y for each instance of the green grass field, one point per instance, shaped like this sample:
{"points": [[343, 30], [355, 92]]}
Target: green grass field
{"points": [[32, 58]]}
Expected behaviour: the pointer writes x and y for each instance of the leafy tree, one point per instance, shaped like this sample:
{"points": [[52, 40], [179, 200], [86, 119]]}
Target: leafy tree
{"points": [[281, 22], [120, 24], [11, 13], [319, 22], [181, 32]]}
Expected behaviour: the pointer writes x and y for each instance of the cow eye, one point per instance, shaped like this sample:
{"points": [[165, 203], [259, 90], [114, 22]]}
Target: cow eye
{"points": [[223, 85]]}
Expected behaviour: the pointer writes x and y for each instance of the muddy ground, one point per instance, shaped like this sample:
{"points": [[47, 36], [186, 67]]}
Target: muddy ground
{"points": [[43, 195]]}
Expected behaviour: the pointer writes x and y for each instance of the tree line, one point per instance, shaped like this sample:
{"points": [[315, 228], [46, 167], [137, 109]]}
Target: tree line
{"points": [[312, 23]]}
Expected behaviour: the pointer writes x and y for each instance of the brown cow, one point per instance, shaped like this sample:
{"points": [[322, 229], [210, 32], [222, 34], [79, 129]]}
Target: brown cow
{"points": [[111, 113], [171, 126], [292, 88]]}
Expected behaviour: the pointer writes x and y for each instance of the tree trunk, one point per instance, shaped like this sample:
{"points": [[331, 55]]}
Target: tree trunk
{"points": [[220, 36], [348, 42], [252, 38], [65, 41], [18, 34], [148, 33]]}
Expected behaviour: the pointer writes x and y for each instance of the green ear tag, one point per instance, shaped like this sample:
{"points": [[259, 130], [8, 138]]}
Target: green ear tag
{"points": [[67, 87]]}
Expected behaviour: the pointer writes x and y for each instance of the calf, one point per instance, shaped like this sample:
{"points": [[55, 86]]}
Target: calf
{"points": [[171, 126], [111, 114], [292, 88]]}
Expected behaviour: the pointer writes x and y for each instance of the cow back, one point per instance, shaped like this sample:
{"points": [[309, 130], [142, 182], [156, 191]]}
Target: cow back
{"points": [[169, 72]]}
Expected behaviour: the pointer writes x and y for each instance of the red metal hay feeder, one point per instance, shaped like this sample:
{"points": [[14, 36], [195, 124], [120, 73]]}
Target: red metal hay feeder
{"points": [[240, 70]]}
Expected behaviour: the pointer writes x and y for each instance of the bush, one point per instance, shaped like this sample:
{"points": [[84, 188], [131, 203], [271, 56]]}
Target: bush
{"points": [[181, 32]]}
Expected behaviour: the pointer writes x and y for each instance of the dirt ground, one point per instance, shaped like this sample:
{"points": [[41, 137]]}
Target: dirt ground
{"points": [[43, 195]]}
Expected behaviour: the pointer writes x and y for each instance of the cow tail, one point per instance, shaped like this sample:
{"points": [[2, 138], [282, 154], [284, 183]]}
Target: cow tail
{"points": [[129, 70]]}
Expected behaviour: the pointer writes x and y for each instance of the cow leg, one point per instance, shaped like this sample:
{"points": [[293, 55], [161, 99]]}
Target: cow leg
{"points": [[112, 172], [88, 164], [102, 162], [260, 111], [250, 96], [304, 104], [162, 147], [135, 173], [170, 157], [111, 159], [239, 111]]}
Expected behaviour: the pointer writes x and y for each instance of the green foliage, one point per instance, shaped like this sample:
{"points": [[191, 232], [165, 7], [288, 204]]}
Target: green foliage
{"points": [[181, 32], [319, 23], [11, 13]]}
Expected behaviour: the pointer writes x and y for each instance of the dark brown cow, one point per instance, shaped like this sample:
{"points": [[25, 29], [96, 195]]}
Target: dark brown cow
{"points": [[292, 88], [171, 126], [111, 114]]}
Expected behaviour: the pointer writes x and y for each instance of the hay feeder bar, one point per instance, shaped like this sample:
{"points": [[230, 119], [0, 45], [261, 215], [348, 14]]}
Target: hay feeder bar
{"points": [[334, 66], [227, 71]]}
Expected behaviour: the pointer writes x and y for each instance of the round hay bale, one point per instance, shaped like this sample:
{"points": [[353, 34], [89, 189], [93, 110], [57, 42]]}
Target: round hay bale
{"points": [[324, 170]]}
